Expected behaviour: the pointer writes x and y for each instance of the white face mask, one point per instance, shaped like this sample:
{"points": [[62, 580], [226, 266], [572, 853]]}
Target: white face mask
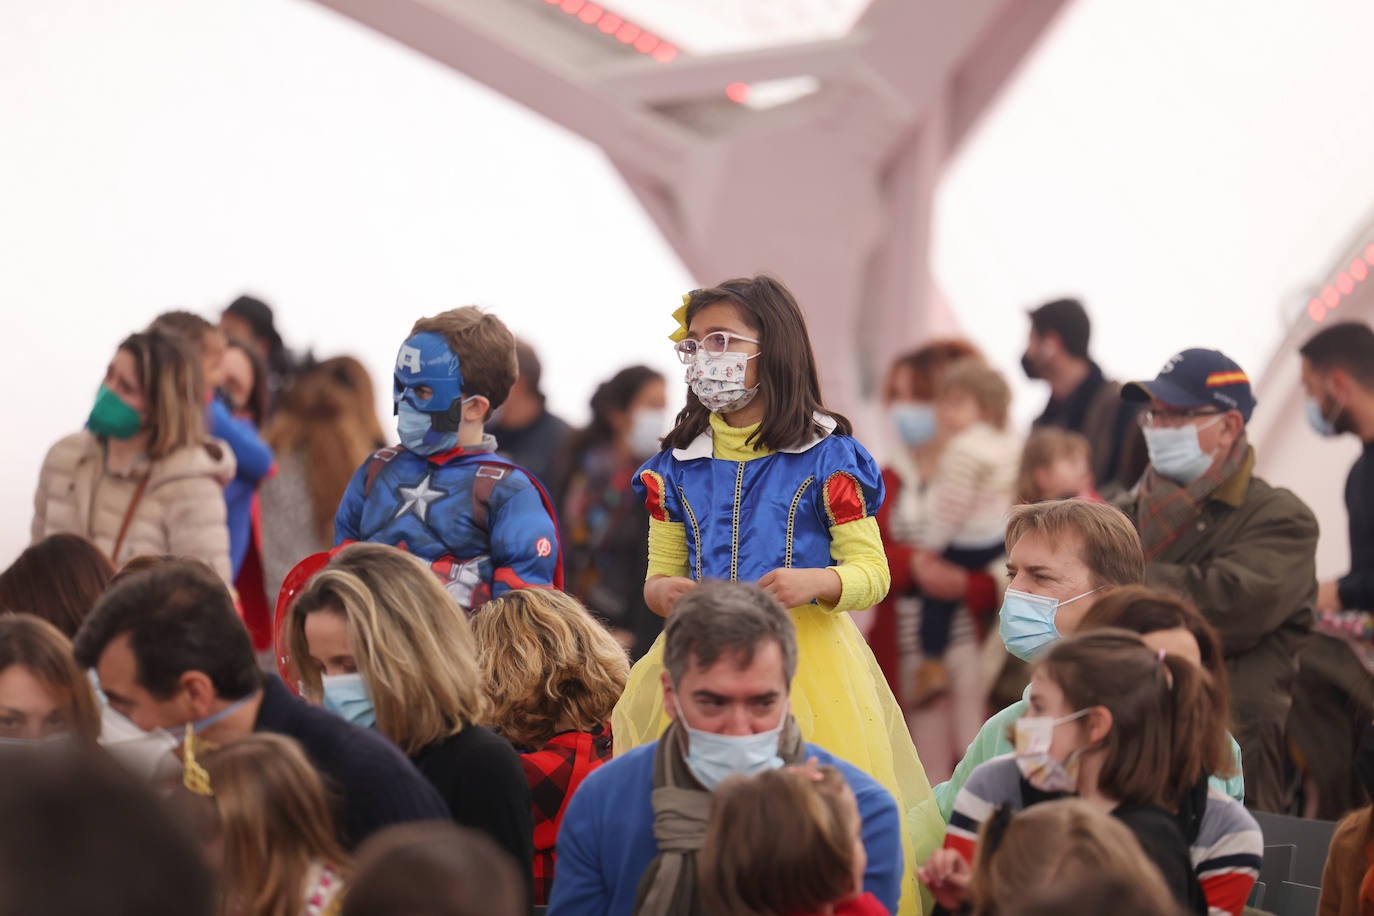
{"points": [[646, 428], [1034, 735], [1177, 453]]}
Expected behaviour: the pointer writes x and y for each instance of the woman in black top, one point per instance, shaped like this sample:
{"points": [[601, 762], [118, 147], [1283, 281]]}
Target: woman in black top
{"points": [[378, 640]]}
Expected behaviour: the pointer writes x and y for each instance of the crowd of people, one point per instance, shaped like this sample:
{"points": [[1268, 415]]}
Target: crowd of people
{"points": [[264, 658]]}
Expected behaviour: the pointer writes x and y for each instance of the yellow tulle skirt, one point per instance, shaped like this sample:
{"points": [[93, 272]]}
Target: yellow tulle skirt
{"points": [[843, 704]]}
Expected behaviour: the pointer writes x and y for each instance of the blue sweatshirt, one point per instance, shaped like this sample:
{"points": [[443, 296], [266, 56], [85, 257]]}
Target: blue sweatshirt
{"points": [[607, 838], [254, 461]]}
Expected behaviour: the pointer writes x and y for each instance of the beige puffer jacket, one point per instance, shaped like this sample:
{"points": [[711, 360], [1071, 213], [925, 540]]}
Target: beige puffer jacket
{"points": [[181, 512]]}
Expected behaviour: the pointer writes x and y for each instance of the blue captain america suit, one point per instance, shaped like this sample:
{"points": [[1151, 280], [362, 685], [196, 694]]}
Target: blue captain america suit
{"points": [[483, 523], [424, 505]]}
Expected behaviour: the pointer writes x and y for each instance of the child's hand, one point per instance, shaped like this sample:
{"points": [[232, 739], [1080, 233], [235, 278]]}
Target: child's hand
{"points": [[795, 587], [948, 876], [662, 592]]}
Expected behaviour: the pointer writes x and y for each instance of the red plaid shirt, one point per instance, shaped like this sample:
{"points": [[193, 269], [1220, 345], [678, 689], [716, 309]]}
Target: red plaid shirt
{"points": [[554, 773]]}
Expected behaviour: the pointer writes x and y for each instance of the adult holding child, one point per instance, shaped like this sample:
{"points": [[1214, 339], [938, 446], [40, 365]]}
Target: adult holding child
{"points": [[377, 640], [759, 482], [143, 477], [942, 728]]}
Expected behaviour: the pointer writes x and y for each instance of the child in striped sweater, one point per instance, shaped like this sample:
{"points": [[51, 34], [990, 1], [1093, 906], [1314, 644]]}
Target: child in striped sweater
{"points": [[967, 500]]}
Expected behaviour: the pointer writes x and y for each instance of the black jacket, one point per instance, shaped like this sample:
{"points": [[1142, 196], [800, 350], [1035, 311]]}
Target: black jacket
{"points": [[481, 779]]}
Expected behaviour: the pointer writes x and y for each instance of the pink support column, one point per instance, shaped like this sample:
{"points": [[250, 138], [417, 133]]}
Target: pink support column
{"points": [[832, 192]]}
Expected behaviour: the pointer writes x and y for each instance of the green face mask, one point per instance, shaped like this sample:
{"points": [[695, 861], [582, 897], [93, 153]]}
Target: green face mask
{"points": [[112, 417]]}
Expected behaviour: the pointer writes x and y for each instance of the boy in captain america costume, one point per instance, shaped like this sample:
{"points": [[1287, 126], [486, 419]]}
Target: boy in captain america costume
{"points": [[484, 524]]}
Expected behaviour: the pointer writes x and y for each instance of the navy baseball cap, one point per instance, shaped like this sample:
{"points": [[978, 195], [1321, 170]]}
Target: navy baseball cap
{"points": [[1197, 378]]}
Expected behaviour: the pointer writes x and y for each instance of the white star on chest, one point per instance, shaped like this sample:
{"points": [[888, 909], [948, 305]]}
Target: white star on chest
{"points": [[418, 498]]}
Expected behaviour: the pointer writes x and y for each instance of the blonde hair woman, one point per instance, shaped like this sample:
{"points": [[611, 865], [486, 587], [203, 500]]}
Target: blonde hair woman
{"points": [[143, 476], [377, 640], [266, 818], [553, 675], [1057, 843]]}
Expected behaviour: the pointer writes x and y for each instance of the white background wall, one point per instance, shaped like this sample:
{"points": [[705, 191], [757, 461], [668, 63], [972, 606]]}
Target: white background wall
{"points": [[1181, 166]]}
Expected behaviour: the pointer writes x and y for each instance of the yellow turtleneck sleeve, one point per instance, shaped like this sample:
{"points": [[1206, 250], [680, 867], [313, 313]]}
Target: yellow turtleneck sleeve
{"points": [[855, 546]]}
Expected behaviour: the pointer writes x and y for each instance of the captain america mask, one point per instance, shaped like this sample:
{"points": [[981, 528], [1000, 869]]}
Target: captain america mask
{"points": [[428, 395], [427, 375]]}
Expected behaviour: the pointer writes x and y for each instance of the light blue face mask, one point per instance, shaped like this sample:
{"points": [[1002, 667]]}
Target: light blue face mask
{"points": [[1027, 622], [1177, 453], [57, 742], [417, 432], [1317, 419], [712, 757], [346, 696], [915, 423], [177, 734]]}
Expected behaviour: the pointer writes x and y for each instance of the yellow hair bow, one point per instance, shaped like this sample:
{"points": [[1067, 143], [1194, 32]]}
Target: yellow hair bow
{"points": [[681, 316]]}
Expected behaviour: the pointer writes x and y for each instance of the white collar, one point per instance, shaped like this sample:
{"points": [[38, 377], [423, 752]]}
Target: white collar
{"points": [[701, 446]]}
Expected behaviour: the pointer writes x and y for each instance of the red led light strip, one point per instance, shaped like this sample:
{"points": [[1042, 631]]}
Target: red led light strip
{"points": [[622, 30], [1342, 286]]}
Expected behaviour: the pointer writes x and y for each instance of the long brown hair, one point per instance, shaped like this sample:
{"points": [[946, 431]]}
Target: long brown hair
{"points": [[787, 367], [328, 416], [274, 820], [168, 369], [58, 579], [778, 842], [544, 659], [1156, 706], [1145, 610], [411, 640], [42, 649]]}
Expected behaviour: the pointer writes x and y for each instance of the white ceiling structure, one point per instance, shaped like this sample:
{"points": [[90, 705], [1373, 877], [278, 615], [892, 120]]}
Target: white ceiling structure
{"points": [[799, 137]]}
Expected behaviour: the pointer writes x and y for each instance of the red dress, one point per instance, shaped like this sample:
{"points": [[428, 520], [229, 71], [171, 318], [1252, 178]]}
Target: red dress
{"points": [[554, 772], [862, 905]]}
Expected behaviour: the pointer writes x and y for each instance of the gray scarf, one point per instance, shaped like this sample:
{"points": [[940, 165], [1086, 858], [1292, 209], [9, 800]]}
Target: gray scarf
{"points": [[681, 810]]}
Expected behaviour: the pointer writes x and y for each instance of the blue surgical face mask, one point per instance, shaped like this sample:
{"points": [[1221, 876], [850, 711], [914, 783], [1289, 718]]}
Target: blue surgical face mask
{"points": [[346, 696], [417, 432], [1177, 453], [915, 423], [1317, 419], [1027, 621], [712, 757]]}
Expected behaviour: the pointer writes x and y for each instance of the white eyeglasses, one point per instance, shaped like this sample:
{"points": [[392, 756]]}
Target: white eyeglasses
{"points": [[716, 343]]}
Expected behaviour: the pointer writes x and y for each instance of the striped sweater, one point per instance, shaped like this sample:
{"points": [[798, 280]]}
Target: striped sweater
{"points": [[1225, 854], [974, 486]]}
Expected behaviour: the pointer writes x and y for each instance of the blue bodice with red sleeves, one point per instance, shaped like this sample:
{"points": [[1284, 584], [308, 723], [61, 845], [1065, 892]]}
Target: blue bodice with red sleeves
{"points": [[746, 518]]}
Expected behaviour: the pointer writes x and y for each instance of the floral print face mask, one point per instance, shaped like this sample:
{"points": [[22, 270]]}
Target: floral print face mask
{"points": [[718, 380]]}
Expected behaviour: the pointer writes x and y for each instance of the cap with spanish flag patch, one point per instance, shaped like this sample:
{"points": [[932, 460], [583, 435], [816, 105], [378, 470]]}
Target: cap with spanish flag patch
{"points": [[1197, 378]]}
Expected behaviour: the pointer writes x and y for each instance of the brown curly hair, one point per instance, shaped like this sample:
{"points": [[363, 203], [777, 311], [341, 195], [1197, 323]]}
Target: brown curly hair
{"points": [[546, 660]]}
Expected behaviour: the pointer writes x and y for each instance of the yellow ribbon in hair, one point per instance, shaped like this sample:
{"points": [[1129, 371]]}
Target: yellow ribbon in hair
{"points": [[681, 316], [193, 775]]}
